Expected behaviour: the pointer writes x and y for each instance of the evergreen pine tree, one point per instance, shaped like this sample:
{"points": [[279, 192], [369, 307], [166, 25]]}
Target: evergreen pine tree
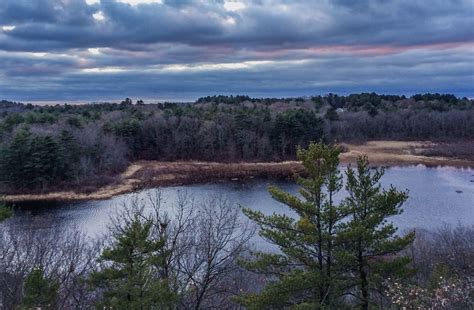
{"points": [[30, 160], [43, 160], [307, 270], [132, 278], [371, 241], [15, 158], [329, 250], [39, 291], [69, 155]]}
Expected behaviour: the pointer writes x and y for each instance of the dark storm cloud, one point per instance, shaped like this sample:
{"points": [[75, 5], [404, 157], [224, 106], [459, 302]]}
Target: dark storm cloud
{"points": [[72, 49], [28, 65], [71, 23], [46, 11], [27, 11]]}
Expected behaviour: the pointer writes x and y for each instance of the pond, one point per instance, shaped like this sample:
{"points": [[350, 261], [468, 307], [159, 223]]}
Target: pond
{"points": [[437, 196]]}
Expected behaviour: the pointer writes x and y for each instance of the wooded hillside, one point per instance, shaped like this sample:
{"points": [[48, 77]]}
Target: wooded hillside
{"points": [[86, 145]]}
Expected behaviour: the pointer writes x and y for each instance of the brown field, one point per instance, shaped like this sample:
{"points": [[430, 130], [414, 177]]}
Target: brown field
{"points": [[403, 153], [146, 174]]}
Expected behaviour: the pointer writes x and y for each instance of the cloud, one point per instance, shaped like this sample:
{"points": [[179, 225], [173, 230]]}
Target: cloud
{"points": [[110, 48]]}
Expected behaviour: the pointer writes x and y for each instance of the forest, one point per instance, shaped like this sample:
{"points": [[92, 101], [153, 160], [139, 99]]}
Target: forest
{"points": [[331, 255], [86, 146]]}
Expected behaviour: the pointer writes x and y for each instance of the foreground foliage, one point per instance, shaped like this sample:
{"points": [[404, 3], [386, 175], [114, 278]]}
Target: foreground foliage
{"points": [[133, 276], [329, 250], [371, 244], [39, 292], [60, 268]]}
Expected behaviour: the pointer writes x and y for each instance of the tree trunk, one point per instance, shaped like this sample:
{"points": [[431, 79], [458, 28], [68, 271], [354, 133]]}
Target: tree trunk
{"points": [[364, 288]]}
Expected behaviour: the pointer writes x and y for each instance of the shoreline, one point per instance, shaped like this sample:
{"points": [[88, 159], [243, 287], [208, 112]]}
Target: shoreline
{"points": [[147, 174]]}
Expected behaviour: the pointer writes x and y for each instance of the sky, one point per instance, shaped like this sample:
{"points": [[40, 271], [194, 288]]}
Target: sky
{"points": [[102, 50]]}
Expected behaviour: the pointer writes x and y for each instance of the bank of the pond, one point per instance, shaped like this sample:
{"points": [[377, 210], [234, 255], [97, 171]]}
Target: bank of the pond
{"points": [[148, 174]]}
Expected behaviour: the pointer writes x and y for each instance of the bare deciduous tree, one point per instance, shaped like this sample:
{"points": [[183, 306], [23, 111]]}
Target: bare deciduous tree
{"points": [[65, 256], [205, 239]]}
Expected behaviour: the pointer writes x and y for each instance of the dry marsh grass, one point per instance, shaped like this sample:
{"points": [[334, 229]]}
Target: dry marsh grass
{"points": [[146, 174]]}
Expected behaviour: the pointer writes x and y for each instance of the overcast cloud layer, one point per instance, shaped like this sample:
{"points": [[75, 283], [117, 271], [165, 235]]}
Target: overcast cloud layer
{"points": [[91, 50]]}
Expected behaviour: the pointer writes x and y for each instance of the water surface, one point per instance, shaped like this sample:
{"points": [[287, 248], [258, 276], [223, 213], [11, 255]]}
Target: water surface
{"points": [[438, 196]]}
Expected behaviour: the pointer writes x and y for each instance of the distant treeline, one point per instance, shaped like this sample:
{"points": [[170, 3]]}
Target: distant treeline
{"points": [[42, 147]]}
